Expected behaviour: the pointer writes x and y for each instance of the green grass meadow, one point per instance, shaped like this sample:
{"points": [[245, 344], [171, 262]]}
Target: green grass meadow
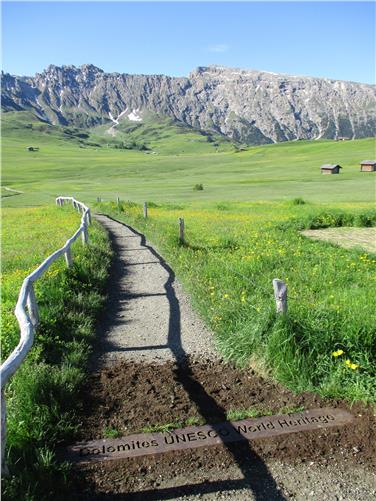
{"points": [[66, 164], [243, 229], [230, 257], [27, 240], [42, 396]]}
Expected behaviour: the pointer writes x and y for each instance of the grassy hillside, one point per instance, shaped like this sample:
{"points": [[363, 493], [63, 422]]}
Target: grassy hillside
{"points": [[28, 126], [66, 163], [160, 135]]}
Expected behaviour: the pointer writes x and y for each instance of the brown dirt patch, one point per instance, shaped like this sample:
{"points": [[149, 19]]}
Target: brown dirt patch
{"points": [[131, 396], [349, 238]]}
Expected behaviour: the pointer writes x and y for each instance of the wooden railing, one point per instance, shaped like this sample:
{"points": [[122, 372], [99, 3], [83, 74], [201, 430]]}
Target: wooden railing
{"points": [[27, 308]]}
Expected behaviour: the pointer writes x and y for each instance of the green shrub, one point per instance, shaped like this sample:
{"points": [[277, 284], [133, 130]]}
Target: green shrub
{"points": [[366, 218], [330, 219], [298, 201], [198, 187], [223, 206]]}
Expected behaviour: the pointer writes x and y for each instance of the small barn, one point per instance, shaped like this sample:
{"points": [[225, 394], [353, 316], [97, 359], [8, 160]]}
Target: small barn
{"points": [[330, 169], [368, 166]]}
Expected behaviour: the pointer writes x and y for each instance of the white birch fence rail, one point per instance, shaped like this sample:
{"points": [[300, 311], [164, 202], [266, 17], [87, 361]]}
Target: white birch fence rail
{"points": [[26, 310]]}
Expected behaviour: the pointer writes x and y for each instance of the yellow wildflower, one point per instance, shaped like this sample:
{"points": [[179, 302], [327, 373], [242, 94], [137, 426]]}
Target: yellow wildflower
{"points": [[337, 353], [351, 365]]}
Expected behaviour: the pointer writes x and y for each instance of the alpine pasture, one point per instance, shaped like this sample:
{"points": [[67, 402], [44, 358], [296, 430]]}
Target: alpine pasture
{"points": [[242, 230], [87, 168], [249, 214]]}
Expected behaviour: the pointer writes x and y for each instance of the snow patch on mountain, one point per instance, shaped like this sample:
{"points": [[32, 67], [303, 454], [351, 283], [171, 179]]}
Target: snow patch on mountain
{"points": [[134, 116]]}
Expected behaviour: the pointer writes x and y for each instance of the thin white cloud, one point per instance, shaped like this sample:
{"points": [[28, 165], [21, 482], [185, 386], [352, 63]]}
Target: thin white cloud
{"points": [[220, 47]]}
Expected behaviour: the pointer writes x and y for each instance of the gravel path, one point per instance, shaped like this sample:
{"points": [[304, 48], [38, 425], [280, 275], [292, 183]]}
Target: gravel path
{"points": [[150, 319], [302, 482], [148, 316]]}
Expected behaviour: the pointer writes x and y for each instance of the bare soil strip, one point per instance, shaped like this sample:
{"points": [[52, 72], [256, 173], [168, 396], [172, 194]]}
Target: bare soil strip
{"points": [[364, 238], [133, 391]]}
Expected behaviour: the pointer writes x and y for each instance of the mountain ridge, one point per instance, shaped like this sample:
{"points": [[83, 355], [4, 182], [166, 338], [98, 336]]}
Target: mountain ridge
{"points": [[249, 106], [200, 67]]}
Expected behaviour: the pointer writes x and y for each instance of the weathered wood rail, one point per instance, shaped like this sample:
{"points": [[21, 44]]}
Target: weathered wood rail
{"points": [[26, 310]]}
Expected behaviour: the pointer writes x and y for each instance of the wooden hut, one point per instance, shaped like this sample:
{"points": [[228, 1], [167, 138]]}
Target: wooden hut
{"points": [[368, 166], [330, 169]]}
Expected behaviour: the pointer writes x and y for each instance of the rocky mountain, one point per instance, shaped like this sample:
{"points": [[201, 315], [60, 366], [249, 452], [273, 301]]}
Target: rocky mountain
{"points": [[250, 106]]}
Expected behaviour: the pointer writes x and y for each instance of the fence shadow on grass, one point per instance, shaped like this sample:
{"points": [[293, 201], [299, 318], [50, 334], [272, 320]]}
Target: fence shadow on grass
{"points": [[257, 478]]}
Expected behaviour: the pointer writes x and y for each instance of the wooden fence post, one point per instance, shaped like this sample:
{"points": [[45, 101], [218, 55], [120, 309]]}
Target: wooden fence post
{"points": [[118, 201], [181, 230], [89, 216], [84, 236], [145, 210], [280, 295], [68, 257], [32, 306]]}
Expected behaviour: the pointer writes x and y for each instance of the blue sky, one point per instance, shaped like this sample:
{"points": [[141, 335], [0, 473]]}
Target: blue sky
{"points": [[333, 39]]}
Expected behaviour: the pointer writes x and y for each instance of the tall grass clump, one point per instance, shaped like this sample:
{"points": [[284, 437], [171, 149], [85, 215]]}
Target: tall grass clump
{"points": [[298, 201], [42, 397], [330, 218], [228, 262]]}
